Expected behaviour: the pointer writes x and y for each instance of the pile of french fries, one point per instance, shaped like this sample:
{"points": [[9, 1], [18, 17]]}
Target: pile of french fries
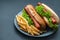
{"points": [[22, 22]]}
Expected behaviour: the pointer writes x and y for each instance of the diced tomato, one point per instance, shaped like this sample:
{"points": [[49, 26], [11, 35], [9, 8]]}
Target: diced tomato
{"points": [[53, 20]]}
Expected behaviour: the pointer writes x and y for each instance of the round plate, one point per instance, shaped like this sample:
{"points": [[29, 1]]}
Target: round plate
{"points": [[49, 32]]}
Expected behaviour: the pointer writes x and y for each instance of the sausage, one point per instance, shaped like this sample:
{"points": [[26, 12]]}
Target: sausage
{"points": [[35, 22], [37, 17], [39, 3]]}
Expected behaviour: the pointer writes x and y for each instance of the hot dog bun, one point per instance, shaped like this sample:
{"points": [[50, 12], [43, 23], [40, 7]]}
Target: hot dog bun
{"points": [[52, 12], [49, 16]]}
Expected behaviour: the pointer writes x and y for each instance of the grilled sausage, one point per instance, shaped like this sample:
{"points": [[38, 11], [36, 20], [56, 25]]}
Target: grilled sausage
{"points": [[35, 22]]}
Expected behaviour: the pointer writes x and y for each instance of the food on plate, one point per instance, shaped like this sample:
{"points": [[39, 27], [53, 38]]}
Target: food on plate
{"points": [[25, 27], [35, 20]]}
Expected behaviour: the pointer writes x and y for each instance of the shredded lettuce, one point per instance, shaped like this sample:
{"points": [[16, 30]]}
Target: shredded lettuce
{"points": [[54, 26], [40, 11], [47, 14], [27, 17]]}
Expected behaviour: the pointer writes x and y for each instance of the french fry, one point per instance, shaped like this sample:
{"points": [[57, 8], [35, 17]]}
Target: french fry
{"points": [[23, 29], [20, 22], [22, 26], [36, 33], [21, 18], [30, 30], [25, 26], [36, 29]]}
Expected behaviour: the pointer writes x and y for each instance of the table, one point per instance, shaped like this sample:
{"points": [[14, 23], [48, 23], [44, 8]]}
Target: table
{"points": [[8, 10]]}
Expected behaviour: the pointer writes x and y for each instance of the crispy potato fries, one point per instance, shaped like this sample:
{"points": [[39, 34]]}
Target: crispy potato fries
{"points": [[22, 22]]}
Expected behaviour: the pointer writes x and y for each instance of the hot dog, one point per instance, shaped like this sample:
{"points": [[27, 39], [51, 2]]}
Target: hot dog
{"points": [[32, 12], [35, 22], [50, 17]]}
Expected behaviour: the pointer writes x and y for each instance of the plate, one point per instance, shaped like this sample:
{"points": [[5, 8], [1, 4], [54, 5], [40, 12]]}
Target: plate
{"points": [[49, 32]]}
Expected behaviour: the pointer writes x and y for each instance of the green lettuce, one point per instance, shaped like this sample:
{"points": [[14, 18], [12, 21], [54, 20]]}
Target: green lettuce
{"points": [[40, 11], [27, 17], [54, 26]]}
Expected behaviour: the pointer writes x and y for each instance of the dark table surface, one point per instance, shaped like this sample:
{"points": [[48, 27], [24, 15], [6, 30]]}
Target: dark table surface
{"points": [[8, 10]]}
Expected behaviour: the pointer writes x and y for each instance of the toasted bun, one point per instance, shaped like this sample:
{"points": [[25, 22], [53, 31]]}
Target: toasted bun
{"points": [[52, 12], [46, 20]]}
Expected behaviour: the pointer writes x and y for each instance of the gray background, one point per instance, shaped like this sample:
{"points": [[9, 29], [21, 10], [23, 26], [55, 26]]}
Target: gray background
{"points": [[8, 10]]}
